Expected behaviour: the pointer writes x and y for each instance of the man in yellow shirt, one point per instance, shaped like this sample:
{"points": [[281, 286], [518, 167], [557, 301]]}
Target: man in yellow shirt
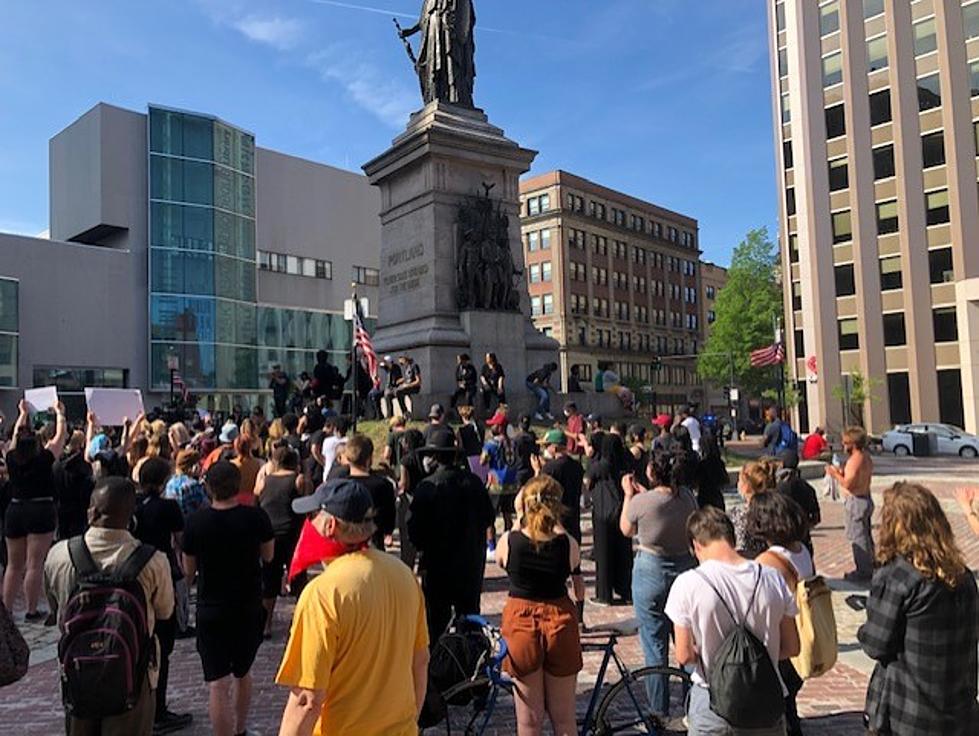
{"points": [[357, 658]]}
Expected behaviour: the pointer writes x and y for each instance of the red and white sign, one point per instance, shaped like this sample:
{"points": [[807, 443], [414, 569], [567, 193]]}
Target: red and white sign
{"points": [[812, 368]]}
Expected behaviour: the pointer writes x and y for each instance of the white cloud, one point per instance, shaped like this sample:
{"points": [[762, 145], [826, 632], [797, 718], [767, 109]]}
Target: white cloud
{"points": [[280, 33], [389, 101]]}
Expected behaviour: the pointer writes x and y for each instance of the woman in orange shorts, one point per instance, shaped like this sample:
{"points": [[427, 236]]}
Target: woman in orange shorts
{"points": [[540, 623]]}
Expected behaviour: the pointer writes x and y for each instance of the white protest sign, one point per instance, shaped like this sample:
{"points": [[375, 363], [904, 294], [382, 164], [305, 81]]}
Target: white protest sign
{"points": [[41, 399], [114, 405]]}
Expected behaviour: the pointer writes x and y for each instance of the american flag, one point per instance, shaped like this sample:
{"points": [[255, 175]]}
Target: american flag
{"points": [[178, 383], [764, 357], [362, 340]]}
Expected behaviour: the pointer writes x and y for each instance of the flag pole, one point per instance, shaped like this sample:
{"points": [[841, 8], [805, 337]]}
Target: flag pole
{"points": [[353, 356]]}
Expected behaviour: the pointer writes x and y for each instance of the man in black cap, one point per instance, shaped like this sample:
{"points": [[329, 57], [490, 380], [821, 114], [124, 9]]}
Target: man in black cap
{"points": [[450, 514], [436, 423], [357, 657]]}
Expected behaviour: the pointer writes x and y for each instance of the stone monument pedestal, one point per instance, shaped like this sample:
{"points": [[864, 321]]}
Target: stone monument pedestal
{"points": [[447, 156]]}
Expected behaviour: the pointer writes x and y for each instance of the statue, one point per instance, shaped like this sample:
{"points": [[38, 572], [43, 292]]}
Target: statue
{"points": [[484, 263], [445, 61]]}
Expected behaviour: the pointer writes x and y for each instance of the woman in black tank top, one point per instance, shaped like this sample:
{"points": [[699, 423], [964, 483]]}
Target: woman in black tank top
{"points": [[540, 623]]}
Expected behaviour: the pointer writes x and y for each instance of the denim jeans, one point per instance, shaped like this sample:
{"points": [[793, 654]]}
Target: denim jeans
{"points": [[652, 578], [543, 398]]}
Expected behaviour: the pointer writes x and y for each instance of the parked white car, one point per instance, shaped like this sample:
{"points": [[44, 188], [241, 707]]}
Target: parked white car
{"points": [[951, 439]]}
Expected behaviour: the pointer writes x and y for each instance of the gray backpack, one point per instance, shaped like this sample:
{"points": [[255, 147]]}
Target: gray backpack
{"points": [[745, 689]]}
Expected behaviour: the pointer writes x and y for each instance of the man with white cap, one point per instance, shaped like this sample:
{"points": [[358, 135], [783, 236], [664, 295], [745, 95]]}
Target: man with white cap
{"points": [[357, 657], [387, 392]]}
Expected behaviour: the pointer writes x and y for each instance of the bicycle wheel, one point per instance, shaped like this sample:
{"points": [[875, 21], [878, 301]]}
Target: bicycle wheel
{"points": [[625, 707], [467, 707]]}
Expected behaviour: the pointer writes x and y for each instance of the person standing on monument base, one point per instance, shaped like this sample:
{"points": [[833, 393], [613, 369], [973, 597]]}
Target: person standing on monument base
{"points": [[492, 382]]}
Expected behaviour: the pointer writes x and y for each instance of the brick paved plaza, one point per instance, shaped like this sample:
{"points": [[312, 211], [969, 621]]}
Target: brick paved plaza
{"points": [[831, 704]]}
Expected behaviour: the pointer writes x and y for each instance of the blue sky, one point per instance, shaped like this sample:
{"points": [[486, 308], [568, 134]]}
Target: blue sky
{"points": [[667, 100]]}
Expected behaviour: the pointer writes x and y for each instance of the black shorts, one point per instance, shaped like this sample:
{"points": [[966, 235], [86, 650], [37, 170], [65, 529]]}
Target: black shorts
{"points": [[285, 545], [228, 641], [29, 517]]}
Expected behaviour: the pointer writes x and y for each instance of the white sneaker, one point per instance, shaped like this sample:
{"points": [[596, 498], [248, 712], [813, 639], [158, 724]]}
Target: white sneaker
{"points": [[538, 418]]}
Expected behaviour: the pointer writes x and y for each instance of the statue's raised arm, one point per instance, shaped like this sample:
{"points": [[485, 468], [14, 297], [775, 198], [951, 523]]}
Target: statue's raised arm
{"points": [[445, 61]]}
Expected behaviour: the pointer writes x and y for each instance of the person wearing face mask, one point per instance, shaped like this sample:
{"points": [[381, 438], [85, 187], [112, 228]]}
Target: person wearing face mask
{"points": [[449, 515]]}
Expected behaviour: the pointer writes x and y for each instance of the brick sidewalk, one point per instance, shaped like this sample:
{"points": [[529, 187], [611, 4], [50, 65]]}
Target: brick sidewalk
{"points": [[831, 705]]}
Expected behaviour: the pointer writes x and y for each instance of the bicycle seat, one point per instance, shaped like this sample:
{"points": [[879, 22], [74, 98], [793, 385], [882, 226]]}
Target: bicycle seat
{"points": [[620, 628]]}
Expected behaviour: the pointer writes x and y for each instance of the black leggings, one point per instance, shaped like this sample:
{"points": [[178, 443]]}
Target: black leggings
{"points": [[272, 572]]}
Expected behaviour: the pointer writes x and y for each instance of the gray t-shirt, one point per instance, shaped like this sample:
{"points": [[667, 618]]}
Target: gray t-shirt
{"points": [[662, 520]]}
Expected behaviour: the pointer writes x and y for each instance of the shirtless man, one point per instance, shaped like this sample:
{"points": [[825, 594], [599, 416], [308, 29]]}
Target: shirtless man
{"points": [[858, 506]]}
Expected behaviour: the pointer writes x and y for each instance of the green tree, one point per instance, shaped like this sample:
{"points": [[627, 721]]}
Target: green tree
{"points": [[854, 393], [745, 310]]}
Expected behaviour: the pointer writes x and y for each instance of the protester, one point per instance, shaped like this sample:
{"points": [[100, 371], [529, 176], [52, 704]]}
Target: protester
{"points": [[755, 478], [413, 472], [539, 384], [815, 447], [31, 517], [779, 439], [436, 422], [280, 384], [450, 513], [357, 657], [706, 603], [525, 451], [689, 422], [790, 482], [160, 524], [392, 447], [567, 471], [499, 457], [327, 382], [73, 484], [388, 393], [410, 385], [858, 505], [574, 380], [539, 620], [226, 544], [248, 466], [466, 380], [658, 516], [966, 498], [185, 486], [360, 459], [781, 522], [225, 449], [492, 382], [470, 440], [664, 440], [638, 456], [711, 473], [334, 439], [613, 552], [574, 428], [275, 494], [922, 625], [110, 546]]}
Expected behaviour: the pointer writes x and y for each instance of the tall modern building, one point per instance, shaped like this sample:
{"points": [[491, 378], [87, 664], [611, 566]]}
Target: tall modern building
{"points": [[876, 105], [617, 281], [175, 241]]}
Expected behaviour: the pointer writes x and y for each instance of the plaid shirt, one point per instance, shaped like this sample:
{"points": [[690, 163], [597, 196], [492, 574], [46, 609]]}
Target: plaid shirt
{"points": [[923, 636]]}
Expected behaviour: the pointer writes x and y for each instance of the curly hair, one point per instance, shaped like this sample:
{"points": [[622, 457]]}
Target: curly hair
{"points": [[776, 518], [542, 507], [913, 526]]}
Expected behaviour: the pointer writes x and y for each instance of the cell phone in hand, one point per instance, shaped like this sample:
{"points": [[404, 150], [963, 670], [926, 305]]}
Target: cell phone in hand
{"points": [[857, 602]]}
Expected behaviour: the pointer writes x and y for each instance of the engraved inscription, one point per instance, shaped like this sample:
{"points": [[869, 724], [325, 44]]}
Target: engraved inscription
{"points": [[406, 279]]}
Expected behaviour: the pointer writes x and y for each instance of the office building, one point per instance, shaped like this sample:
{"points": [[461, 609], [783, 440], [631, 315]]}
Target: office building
{"points": [[617, 282], [177, 243], [876, 105]]}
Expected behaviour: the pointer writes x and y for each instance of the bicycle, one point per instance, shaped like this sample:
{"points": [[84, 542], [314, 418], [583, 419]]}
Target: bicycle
{"points": [[622, 708]]}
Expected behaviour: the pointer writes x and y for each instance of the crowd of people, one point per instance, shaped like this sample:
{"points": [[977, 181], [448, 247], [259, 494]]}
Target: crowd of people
{"points": [[205, 527]]}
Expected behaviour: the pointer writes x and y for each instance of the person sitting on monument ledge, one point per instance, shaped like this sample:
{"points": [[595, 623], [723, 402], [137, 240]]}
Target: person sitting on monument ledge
{"points": [[492, 382], [410, 384], [539, 384], [466, 379]]}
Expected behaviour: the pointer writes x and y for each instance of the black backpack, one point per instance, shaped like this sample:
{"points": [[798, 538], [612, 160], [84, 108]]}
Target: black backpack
{"points": [[106, 647], [745, 689], [460, 655]]}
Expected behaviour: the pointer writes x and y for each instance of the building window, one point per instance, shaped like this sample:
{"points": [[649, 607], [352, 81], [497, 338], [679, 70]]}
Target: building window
{"points": [[842, 228], [545, 271], [786, 109], [884, 162], [294, 265], [929, 92], [880, 107], [9, 331], [974, 78], [545, 239], [833, 69], [533, 241], [366, 276], [846, 284], [890, 273], [783, 63], [796, 296], [536, 308], [899, 397], [711, 292], [936, 207], [872, 8], [848, 334], [933, 149], [535, 273], [925, 39], [940, 267], [945, 323], [536, 205], [787, 155], [877, 53], [548, 304], [829, 18], [835, 121], [894, 333], [838, 175], [793, 248], [799, 343], [790, 201], [970, 19], [711, 316], [779, 16], [887, 221]]}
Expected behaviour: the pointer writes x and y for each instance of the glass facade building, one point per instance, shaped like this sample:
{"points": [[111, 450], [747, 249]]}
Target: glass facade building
{"points": [[9, 331]]}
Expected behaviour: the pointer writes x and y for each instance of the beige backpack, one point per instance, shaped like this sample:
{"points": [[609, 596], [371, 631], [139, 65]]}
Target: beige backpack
{"points": [[816, 621]]}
